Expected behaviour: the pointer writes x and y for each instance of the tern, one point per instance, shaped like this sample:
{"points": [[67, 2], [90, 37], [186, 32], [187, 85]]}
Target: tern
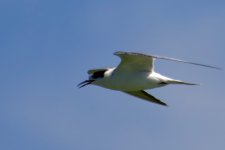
{"points": [[134, 75]]}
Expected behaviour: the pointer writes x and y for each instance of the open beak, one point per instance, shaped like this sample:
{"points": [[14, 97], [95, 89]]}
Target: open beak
{"points": [[84, 83]]}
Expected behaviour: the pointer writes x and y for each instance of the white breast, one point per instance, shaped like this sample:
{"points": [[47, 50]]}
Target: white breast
{"points": [[127, 82]]}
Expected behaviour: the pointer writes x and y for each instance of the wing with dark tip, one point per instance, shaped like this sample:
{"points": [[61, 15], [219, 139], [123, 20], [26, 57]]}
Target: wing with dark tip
{"points": [[145, 96]]}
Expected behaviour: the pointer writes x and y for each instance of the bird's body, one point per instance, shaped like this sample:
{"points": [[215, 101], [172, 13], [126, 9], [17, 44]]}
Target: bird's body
{"points": [[125, 81], [133, 75]]}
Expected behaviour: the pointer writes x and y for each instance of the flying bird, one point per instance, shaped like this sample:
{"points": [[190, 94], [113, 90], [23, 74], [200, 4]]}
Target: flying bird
{"points": [[134, 75]]}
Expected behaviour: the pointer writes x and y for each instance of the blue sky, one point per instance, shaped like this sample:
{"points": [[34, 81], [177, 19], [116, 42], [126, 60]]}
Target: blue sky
{"points": [[47, 47]]}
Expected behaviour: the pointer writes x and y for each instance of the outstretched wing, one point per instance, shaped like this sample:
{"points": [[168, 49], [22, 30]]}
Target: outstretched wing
{"points": [[138, 61], [184, 61], [146, 96], [134, 62]]}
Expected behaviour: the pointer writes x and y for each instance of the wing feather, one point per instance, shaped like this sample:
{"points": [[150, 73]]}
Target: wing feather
{"points": [[145, 96], [187, 62], [134, 62]]}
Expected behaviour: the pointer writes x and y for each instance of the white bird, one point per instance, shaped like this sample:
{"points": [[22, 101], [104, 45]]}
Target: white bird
{"points": [[133, 75]]}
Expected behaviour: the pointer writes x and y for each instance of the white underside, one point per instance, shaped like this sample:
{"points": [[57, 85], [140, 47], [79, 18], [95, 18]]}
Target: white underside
{"points": [[135, 81]]}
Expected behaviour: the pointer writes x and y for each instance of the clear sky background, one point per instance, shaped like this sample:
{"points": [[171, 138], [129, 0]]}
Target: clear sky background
{"points": [[47, 46]]}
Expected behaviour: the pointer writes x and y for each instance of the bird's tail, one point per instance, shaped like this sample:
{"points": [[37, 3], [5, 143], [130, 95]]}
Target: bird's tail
{"points": [[181, 82]]}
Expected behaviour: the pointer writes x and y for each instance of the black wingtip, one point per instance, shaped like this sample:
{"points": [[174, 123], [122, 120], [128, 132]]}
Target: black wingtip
{"points": [[163, 104]]}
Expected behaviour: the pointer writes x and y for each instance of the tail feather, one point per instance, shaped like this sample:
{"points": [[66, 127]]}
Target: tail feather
{"points": [[181, 82]]}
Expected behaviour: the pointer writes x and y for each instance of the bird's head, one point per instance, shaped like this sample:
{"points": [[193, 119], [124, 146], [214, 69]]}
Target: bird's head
{"points": [[94, 75]]}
